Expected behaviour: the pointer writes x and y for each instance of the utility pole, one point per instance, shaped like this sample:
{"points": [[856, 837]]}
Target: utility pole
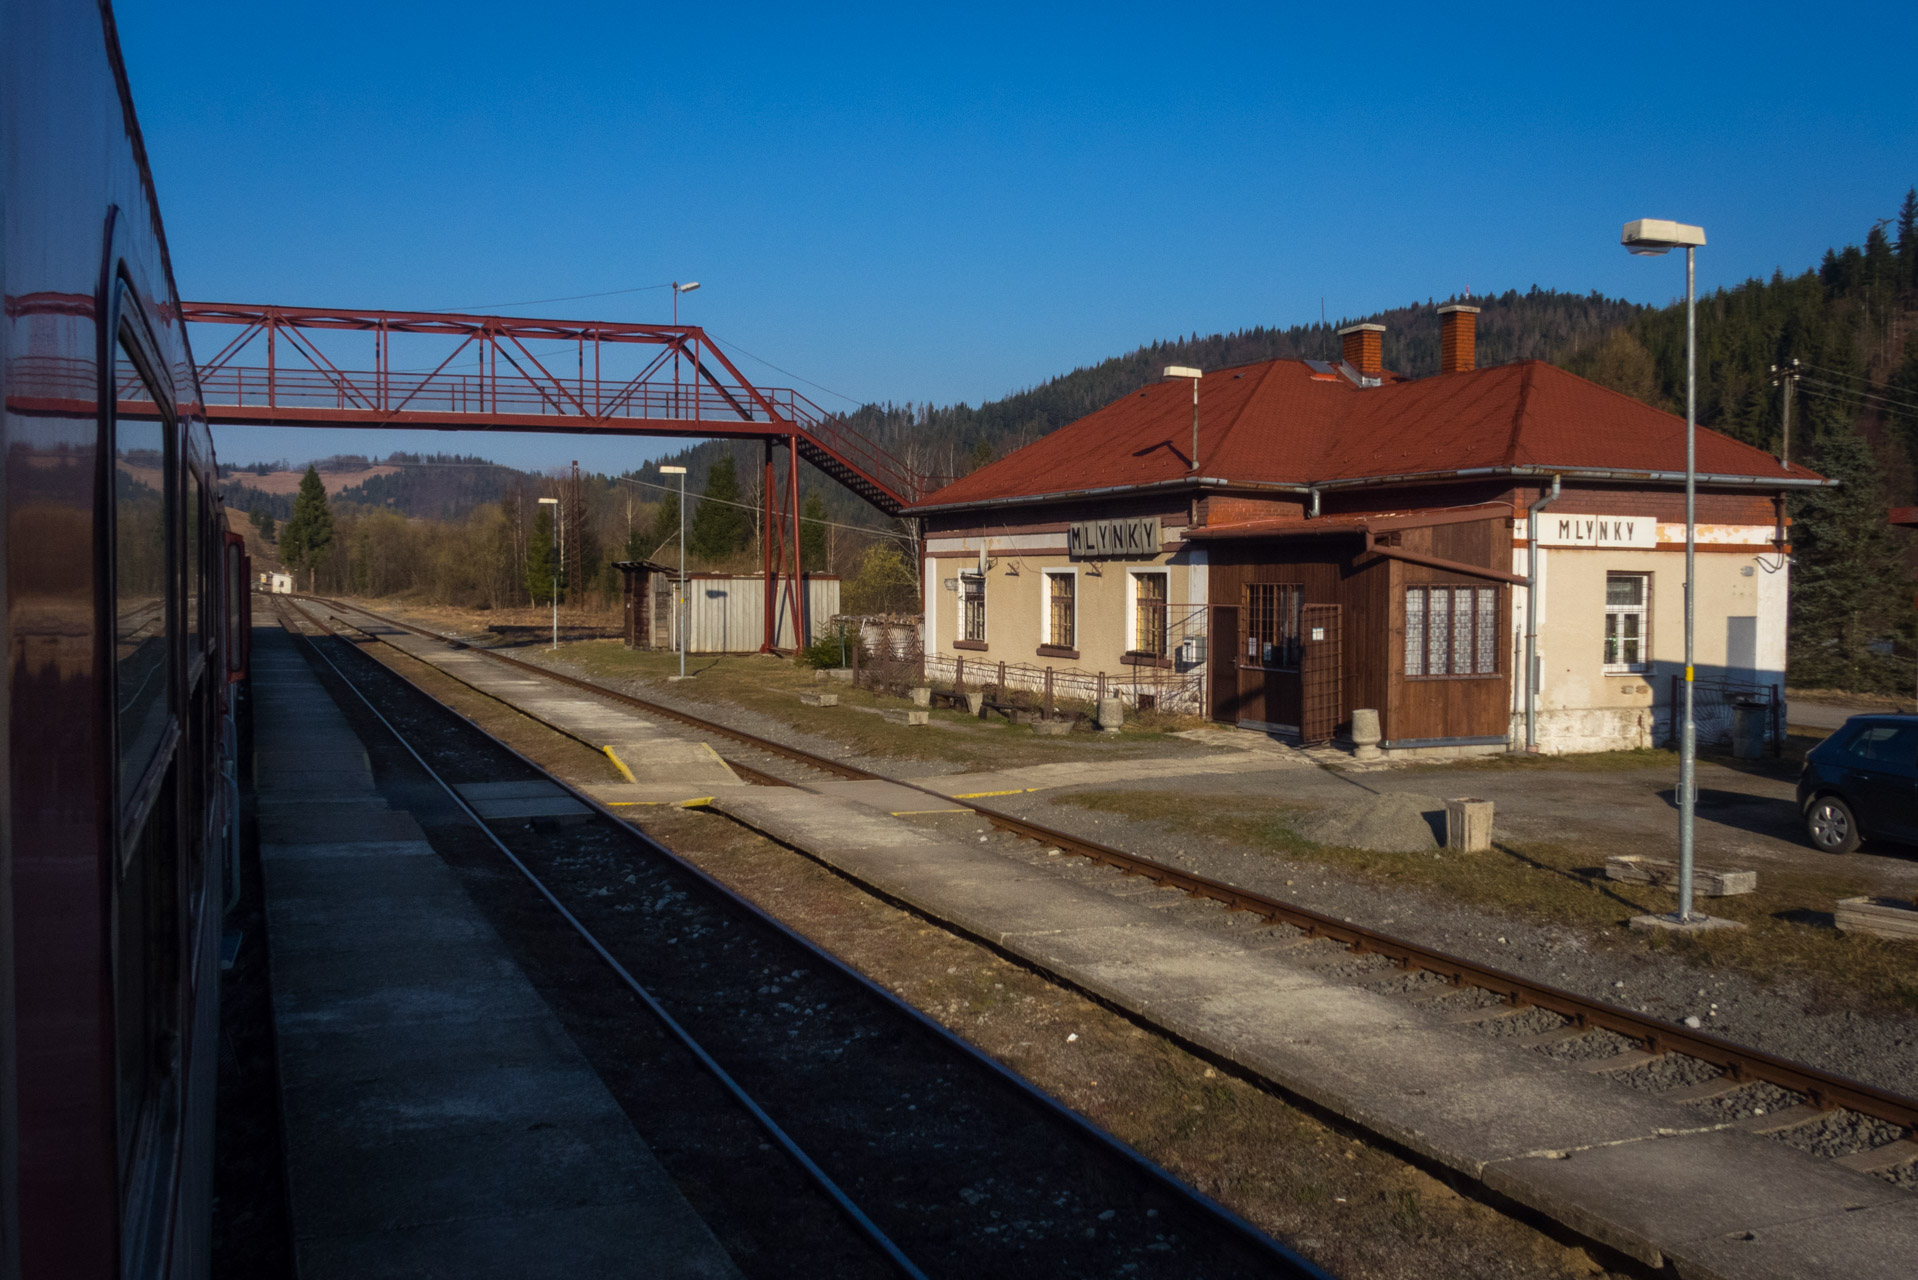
{"points": [[1786, 379]]}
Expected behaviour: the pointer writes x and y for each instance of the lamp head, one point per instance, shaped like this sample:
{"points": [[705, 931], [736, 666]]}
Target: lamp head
{"points": [[549, 502], [1649, 237], [688, 287], [672, 471]]}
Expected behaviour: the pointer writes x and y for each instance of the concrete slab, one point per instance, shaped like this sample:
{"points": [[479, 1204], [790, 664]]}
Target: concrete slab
{"points": [[524, 789], [439, 1120], [1686, 1197], [887, 797], [1046, 777], [556, 807]]}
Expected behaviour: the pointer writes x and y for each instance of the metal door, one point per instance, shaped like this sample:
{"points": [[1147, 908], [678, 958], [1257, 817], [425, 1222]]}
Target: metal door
{"points": [[1321, 675]]}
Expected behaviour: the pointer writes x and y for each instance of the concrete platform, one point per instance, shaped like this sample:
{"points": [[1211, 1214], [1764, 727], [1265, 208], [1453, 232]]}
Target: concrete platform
{"points": [[1099, 773], [1651, 1177], [439, 1121], [654, 756]]}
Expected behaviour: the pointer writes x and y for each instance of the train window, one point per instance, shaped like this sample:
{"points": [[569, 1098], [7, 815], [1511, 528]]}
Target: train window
{"points": [[236, 588], [195, 570], [142, 473]]}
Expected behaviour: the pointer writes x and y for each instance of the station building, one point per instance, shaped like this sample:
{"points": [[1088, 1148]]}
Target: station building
{"points": [[1282, 543]]}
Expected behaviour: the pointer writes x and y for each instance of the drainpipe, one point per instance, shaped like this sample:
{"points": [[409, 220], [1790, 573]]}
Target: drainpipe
{"points": [[1313, 514], [1531, 617]]}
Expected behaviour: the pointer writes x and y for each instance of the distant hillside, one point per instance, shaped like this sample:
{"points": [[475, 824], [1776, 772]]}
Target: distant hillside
{"points": [[431, 486]]}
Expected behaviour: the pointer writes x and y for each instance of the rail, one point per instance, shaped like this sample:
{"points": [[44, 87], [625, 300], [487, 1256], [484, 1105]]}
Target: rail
{"points": [[1824, 1089]]}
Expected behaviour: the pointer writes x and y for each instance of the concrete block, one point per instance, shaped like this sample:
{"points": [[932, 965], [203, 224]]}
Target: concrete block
{"points": [[843, 674], [1882, 917], [1111, 715], [904, 716], [1051, 728], [1663, 873], [921, 695], [1468, 825], [820, 699], [1697, 924], [975, 703]]}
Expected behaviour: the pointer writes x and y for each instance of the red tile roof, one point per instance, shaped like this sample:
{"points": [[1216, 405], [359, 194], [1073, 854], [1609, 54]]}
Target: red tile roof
{"points": [[1278, 422]]}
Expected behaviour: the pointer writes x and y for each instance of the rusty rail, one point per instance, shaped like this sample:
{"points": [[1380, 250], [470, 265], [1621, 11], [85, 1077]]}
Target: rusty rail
{"points": [[1825, 1089]]}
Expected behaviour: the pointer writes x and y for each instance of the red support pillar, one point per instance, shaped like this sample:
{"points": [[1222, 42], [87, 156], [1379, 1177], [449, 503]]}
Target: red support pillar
{"points": [[768, 526], [799, 577]]}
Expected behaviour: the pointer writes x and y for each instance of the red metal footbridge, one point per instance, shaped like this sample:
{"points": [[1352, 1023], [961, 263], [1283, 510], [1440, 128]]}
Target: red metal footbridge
{"points": [[274, 372]]}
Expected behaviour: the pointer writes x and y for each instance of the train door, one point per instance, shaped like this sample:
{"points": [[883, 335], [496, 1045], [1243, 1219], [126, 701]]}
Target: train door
{"points": [[144, 498]]}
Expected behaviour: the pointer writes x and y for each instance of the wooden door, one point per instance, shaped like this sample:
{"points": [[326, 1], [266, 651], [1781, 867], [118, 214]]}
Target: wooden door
{"points": [[1223, 646], [1321, 675]]}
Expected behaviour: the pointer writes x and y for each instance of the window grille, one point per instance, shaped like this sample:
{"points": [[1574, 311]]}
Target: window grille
{"points": [[1627, 609], [974, 595], [1149, 630], [1272, 612], [1451, 631], [1063, 595]]}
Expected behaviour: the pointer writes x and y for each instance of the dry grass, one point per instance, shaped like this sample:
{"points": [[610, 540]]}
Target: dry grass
{"points": [[1789, 924], [771, 687]]}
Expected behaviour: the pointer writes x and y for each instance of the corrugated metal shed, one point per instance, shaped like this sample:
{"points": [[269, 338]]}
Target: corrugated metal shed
{"points": [[726, 613]]}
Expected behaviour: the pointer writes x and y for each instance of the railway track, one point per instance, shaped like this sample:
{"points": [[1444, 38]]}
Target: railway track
{"points": [[822, 1089], [1823, 1090]]}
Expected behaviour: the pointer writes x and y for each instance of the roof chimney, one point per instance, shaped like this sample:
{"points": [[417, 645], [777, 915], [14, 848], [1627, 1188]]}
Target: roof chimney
{"points": [[1360, 347], [1458, 338]]}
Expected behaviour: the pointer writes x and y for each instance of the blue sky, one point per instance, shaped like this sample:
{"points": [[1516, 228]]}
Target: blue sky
{"points": [[903, 204]]}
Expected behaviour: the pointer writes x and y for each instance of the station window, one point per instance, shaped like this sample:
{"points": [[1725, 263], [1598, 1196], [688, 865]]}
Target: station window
{"points": [[143, 471], [1273, 613], [1062, 609], [1451, 631], [1627, 618], [972, 592], [1149, 629]]}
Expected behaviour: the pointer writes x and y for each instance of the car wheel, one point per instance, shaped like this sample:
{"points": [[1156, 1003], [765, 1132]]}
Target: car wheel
{"points": [[1831, 826]]}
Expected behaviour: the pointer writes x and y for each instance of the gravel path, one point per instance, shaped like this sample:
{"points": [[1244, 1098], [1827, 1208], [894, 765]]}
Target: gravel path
{"points": [[1782, 1017]]}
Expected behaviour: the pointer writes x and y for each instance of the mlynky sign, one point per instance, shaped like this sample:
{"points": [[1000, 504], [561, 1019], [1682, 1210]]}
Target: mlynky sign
{"points": [[1598, 531], [1113, 539]]}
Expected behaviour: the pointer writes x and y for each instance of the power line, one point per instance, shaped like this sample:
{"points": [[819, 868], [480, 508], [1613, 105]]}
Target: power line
{"points": [[537, 302], [747, 506], [734, 346]]}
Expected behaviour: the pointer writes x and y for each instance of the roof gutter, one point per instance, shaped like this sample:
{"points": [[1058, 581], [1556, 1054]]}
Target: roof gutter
{"points": [[1582, 473]]}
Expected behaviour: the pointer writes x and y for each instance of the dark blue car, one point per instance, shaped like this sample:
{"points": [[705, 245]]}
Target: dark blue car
{"points": [[1862, 783]]}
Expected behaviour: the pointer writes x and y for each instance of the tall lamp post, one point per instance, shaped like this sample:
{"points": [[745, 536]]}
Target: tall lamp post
{"points": [[678, 289], [554, 504], [679, 611], [1649, 237]]}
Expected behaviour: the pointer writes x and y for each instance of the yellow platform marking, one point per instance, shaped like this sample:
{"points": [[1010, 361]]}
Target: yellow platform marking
{"points": [[907, 813], [619, 764], [981, 795]]}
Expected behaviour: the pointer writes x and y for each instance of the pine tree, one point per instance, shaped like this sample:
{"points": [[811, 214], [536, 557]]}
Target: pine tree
{"points": [[309, 534], [665, 530], [1908, 239], [1850, 587], [719, 529], [812, 534], [541, 558]]}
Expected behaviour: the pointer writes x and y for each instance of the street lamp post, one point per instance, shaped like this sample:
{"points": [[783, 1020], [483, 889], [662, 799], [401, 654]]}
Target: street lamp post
{"points": [[679, 612], [1649, 237], [554, 504], [678, 289]]}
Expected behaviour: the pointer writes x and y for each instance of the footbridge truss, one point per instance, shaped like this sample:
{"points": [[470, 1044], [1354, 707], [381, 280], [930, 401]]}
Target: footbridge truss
{"points": [[509, 373]]}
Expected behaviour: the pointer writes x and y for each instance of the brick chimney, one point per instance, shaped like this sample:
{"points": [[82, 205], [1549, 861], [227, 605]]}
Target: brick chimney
{"points": [[1458, 338], [1359, 344]]}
